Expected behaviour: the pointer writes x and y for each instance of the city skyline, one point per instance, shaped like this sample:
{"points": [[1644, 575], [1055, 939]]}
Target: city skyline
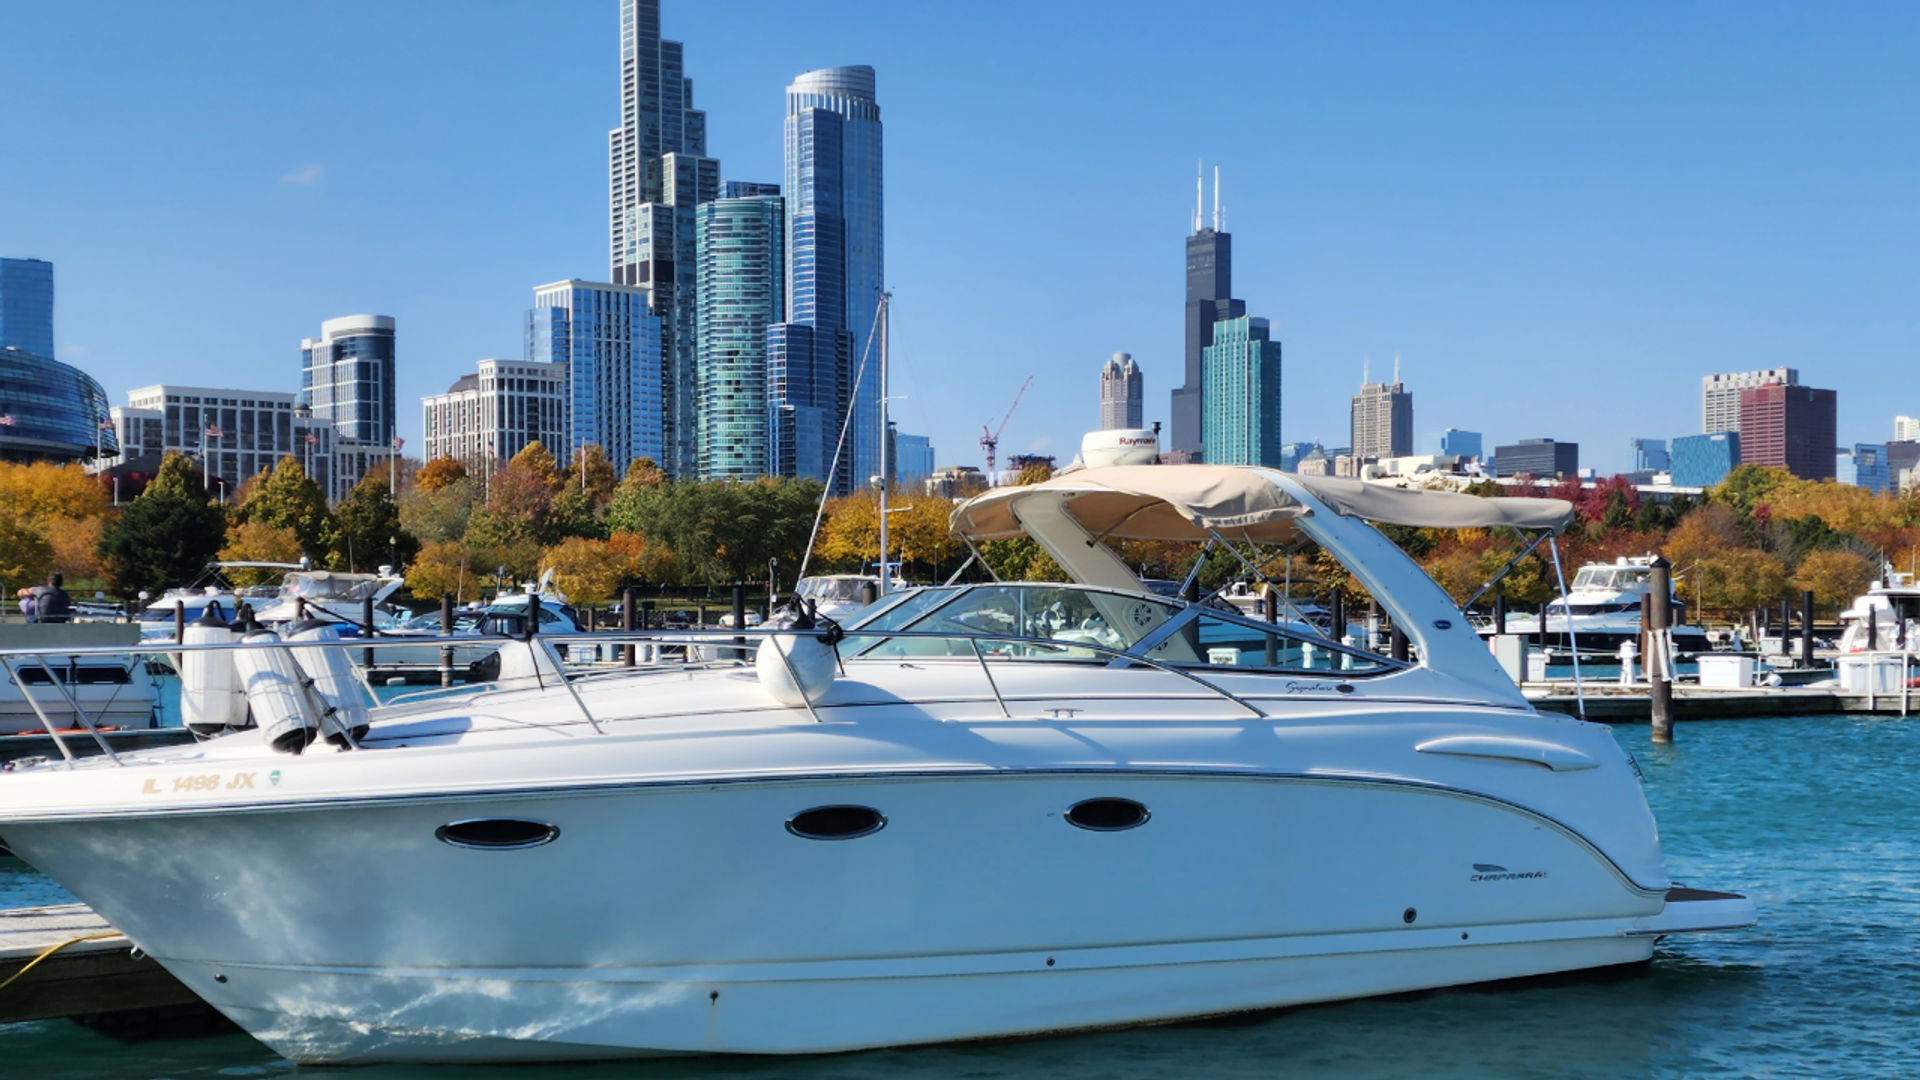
{"points": [[1708, 242]]}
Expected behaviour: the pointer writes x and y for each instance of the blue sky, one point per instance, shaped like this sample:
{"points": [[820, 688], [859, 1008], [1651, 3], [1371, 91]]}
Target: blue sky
{"points": [[1559, 217]]}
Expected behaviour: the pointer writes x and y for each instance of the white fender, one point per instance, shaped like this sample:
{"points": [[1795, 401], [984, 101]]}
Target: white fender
{"points": [[276, 691], [342, 705], [806, 656], [210, 696]]}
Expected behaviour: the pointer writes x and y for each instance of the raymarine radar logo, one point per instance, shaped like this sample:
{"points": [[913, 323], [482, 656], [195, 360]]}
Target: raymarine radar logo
{"points": [[1486, 871]]}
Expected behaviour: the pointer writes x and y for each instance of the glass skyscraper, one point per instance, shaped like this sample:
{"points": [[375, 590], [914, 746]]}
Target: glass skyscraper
{"points": [[742, 242], [609, 338], [1240, 396], [658, 172], [50, 411], [26, 306], [347, 377], [835, 274]]}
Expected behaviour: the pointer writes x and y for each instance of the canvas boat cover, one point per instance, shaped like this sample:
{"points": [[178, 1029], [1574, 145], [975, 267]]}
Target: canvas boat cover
{"points": [[1192, 502]]}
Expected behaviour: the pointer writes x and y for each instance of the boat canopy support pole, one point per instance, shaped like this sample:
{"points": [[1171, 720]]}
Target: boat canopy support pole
{"points": [[553, 654], [1573, 641], [988, 672], [795, 676], [1507, 569], [979, 558], [972, 558], [1193, 575]]}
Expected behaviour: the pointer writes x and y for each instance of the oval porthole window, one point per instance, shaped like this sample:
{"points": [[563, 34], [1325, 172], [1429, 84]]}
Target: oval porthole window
{"points": [[497, 834], [1107, 815], [836, 822]]}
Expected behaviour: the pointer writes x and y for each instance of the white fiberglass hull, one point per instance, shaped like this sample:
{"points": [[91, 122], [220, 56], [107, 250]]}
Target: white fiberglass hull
{"points": [[683, 917]]}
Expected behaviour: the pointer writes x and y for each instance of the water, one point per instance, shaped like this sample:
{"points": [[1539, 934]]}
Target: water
{"points": [[1817, 818]]}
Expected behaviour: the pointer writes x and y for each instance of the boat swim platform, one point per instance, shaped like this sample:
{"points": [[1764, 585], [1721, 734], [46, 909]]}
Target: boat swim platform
{"points": [[91, 971], [1610, 702]]}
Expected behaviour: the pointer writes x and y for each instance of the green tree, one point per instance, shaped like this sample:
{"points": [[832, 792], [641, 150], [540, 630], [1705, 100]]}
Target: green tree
{"points": [[440, 513], [165, 537], [369, 532], [25, 555], [1748, 486], [288, 498]]}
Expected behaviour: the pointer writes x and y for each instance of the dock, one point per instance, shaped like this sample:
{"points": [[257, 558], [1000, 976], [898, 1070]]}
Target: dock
{"points": [[1613, 703], [100, 973]]}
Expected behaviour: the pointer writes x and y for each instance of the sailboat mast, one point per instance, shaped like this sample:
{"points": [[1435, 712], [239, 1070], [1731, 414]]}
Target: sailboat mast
{"points": [[886, 573]]}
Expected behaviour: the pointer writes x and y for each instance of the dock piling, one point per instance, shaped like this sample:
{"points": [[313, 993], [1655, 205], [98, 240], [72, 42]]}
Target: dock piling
{"points": [[1806, 629], [626, 624], [366, 630], [446, 630], [739, 620], [1659, 659]]}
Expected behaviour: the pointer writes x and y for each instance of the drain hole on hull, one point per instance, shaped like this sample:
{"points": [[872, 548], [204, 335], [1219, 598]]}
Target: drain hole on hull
{"points": [[836, 822], [1107, 815], [497, 834]]}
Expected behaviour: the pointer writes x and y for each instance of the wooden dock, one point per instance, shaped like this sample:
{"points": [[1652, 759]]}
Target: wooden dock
{"points": [[83, 978], [1612, 703]]}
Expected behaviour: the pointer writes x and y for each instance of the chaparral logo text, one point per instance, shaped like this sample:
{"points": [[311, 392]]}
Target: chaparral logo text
{"points": [[1494, 872]]}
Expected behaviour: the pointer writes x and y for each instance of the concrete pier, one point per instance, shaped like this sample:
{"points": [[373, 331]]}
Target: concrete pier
{"points": [[1613, 703]]}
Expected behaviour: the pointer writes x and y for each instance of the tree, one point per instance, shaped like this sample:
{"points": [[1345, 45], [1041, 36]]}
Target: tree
{"points": [[76, 546], [442, 568], [1739, 580], [592, 571], [287, 497], [439, 473], [41, 491], [600, 478], [1835, 577], [538, 461], [440, 513], [257, 541], [167, 535], [1748, 486], [1702, 534], [369, 531], [25, 555]]}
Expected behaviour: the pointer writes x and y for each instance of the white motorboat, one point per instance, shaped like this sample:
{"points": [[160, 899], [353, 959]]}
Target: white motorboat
{"points": [[1886, 618], [987, 823], [838, 597], [474, 641], [112, 690], [334, 596], [158, 619], [1602, 609]]}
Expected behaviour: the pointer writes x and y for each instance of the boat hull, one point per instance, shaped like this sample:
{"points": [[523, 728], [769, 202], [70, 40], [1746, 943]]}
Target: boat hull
{"points": [[687, 918]]}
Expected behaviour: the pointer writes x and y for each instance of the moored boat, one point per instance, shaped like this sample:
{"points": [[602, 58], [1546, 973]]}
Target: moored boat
{"points": [[989, 810]]}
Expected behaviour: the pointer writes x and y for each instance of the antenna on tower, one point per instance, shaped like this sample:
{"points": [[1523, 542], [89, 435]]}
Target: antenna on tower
{"points": [[1366, 367], [1396, 369], [1199, 190], [1216, 198]]}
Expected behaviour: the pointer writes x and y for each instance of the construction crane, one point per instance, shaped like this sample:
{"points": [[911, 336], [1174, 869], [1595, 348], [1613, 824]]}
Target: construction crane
{"points": [[990, 440]]}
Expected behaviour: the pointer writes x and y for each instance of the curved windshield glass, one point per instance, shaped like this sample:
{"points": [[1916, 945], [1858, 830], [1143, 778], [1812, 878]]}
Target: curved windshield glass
{"points": [[1214, 640], [845, 590], [1008, 617]]}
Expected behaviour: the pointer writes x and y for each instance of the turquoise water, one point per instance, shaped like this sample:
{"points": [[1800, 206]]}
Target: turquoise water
{"points": [[1817, 818]]}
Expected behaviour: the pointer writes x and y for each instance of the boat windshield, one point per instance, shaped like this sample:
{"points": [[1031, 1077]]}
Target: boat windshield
{"points": [[1058, 622], [1611, 577], [833, 589], [324, 585]]}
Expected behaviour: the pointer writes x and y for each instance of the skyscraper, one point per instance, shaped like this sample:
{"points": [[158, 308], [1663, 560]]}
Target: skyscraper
{"points": [[1542, 459], [658, 172], [1241, 380], [1720, 395], [1906, 429], [1789, 426], [610, 340], [1704, 460], [26, 306], [742, 292], [347, 377], [1455, 443], [1209, 302], [1383, 419], [834, 277], [1649, 455], [1122, 399]]}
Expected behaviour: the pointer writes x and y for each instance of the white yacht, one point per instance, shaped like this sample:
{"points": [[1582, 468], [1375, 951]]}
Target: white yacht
{"points": [[112, 690], [157, 620], [1602, 609], [1886, 618], [973, 825], [835, 596], [334, 596]]}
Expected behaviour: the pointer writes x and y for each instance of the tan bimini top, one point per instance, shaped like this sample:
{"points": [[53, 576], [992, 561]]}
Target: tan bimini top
{"points": [[1193, 502]]}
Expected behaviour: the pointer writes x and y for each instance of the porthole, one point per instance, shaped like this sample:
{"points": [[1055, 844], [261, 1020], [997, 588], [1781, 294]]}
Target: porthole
{"points": [[1107, 814], [836, 822], [497, 834]]}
